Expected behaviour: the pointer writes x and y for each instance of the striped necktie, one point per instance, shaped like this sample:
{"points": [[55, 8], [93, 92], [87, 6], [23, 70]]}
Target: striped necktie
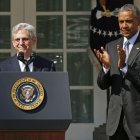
{"points": [[126, 47]]}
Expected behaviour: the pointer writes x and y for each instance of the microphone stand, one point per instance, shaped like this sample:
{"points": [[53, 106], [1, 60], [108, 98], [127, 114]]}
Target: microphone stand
{"points": [[27, 62]]}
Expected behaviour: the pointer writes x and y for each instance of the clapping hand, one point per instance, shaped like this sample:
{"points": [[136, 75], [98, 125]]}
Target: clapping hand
{"points": [[122, 56], [103, 57]]}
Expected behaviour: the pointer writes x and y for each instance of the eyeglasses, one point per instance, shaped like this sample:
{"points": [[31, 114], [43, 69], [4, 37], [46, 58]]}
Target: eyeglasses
{"points": [[25, 40]]}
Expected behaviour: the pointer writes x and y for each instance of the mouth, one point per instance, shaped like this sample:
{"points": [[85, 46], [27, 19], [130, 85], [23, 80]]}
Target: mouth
{"points": [[125, 31], [22, 48]]}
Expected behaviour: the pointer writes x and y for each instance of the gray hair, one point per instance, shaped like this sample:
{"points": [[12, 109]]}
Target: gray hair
{"points": [[131, 7], [25, 26]]}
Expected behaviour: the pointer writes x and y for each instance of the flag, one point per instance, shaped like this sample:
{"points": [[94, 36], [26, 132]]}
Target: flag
{"points": [[104, 25]]}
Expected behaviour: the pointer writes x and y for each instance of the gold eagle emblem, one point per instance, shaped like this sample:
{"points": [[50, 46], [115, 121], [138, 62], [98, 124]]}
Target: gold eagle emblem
{"points": [[27, 94]]}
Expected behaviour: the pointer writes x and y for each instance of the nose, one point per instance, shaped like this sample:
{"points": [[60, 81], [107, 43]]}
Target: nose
{"points": [[125, 25], [21, 41]]}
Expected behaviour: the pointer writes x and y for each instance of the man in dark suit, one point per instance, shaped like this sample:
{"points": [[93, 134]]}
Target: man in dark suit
{"points": [[24, 39], [121, 72]]}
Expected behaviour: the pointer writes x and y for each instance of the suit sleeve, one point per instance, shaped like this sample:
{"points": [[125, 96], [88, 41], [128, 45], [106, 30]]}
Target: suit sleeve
{"points": [[133, 75], [104, 80], [52, 67]]}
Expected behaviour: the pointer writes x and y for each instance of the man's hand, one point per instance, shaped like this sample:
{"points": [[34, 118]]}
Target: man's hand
{"points": [[103, 57], [122, 56]]}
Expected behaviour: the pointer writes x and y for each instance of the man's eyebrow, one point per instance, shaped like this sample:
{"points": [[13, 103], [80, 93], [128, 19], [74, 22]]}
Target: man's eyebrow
{"points": [[121, 20], [129, 20], [126, 20], [22, 38]]}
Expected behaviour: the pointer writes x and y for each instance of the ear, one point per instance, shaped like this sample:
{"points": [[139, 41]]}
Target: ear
{"points": [[34, 40], [13, 43]]}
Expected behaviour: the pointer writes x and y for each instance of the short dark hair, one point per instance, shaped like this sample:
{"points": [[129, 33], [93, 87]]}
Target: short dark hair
{"points": [[131, 7]]}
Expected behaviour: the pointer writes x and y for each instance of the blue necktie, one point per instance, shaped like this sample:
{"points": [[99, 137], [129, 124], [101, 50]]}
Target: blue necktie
{"points": [[126, 47]]}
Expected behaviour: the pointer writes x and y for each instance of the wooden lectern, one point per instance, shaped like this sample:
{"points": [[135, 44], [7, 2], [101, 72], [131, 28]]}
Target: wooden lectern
{"points": [[32, 135], [49, 121]]}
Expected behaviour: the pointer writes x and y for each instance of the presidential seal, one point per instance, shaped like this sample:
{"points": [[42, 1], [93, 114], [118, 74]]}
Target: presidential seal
{"points": [[27, 93]]}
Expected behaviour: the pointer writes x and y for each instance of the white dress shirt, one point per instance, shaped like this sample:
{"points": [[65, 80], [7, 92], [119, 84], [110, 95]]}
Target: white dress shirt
{"points": [[131, 41], [22, 66]]}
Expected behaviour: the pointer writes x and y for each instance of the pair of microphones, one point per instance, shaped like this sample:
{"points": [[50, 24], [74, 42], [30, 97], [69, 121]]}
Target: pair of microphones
{"points": [[33, 56]]}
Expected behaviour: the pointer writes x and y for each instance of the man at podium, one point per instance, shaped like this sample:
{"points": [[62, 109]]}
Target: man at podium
{"points": [[25, 60]]}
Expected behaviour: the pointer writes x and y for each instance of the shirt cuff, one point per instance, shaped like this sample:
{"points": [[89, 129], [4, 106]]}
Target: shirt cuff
{"points": [[105, 70], [124, 70]]}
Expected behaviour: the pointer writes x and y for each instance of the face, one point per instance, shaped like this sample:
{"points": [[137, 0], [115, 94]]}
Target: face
{"points": [[128, 23], [22, 41]]}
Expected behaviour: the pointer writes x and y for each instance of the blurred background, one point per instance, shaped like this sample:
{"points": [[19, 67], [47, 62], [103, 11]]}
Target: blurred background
{"points": [[62, 29]]}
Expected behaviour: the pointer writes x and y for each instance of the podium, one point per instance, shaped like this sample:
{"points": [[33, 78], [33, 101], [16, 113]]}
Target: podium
{"points": [[48, 121]]}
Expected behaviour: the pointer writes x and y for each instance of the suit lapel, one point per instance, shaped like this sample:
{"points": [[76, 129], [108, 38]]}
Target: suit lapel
{"points": [[37, 66], [14, 64], [135, 51], [120, 43]]}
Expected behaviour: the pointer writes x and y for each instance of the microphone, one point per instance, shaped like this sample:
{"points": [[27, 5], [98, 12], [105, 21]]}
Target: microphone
{"points": [[21, 57], [33, 56]]}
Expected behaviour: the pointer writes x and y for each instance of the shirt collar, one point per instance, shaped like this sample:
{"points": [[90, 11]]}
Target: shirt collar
{"points": [[132, 39]]}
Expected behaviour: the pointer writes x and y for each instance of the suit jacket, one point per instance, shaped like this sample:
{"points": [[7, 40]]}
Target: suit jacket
{"points": [[125, 88], [40, 64]]}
